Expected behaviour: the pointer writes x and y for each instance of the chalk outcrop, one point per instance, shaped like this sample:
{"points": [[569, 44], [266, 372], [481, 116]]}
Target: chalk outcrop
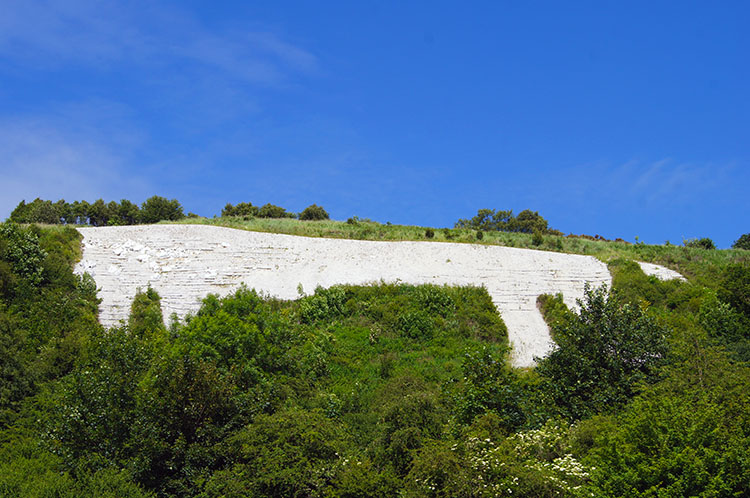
{"points": [[184, 263], [660, 272]]}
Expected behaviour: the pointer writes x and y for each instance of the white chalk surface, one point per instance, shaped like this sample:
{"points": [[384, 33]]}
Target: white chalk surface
{"points": [[184, 263]]}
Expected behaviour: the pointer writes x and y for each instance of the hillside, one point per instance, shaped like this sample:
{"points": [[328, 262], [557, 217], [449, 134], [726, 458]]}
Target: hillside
{"points": [[384, 389], [185, 263]]}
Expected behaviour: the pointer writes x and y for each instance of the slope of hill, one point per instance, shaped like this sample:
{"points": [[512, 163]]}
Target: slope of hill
{"points": [[184, 263]]}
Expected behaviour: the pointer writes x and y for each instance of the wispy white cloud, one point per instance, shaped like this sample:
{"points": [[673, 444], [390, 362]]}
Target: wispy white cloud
{"points": [[640, 182], [55, 32], [43, 159]]}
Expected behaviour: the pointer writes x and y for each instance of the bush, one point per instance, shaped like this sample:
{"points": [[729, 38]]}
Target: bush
{"points": [[416, 325], [313, 212], [429, 233], [526, 221], [241, 209], [537, 238], [271, 211], [704, 243], [480, 235], [603, 355], [324, 304], [156, 209], [743, 242]]}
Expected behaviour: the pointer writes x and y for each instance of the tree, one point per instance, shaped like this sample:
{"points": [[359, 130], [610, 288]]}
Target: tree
{"points": [[145, 313], [129, 212], [98, 213], [241, 209], [743, 242], [156, 209], [527, 221], [602, 355], [704, 243], [314, 212], [271, 211]]}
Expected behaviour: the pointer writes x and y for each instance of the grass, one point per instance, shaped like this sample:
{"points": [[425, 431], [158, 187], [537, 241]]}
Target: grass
{"points": [[701, 265]]}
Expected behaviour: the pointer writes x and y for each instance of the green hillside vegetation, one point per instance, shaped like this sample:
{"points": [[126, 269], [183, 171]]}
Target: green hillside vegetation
{"points": [[373, 391]]}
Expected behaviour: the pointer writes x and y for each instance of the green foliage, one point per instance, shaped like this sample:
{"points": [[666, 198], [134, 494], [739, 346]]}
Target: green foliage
{"points": [[290, 453], [429, 233], [411, 416], [271, 211], [20, 249], [98, 213], [378, 390], [526, 221], [313, 212], [416, 324], [46, 312], [533, 463], [602, 356], [686, 436], [537, 239], [734, 287], [29, 471], [480, 235], [743, 242], [703, 243], [156, 208], [323, 305], [556, 313], [241, 209], [489, 384], [145, 313]]}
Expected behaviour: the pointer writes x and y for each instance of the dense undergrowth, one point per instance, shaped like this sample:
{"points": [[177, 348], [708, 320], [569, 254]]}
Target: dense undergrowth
{"points": [[372, 391]]}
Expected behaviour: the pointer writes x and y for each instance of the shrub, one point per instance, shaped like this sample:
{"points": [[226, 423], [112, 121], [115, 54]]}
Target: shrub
{"points": [[241, 209], [145, 313], [416, 325], [743, 242], [325, 303], [435, 300], [156, 209], [537, 238], [480, 235], [271, 211], [604, 353], [704, 243], [429, 233], [314, 212]]}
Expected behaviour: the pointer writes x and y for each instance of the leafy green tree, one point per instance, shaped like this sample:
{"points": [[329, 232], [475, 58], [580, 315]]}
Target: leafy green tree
{"points": [[703, 243], [292, 453], [528, 221], [743, 242], [271, 211], [156, 208], [241, 209], [98, 213], [22, 252], [734, 287], [145, 313], [38, 211], [489, 384], [685, 436], [313, 212], [79, 212], [129, 212], [602, 356]]}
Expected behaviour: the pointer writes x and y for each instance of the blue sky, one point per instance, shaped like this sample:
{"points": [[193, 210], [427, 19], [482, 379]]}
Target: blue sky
{"points": [[622, 119]]}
